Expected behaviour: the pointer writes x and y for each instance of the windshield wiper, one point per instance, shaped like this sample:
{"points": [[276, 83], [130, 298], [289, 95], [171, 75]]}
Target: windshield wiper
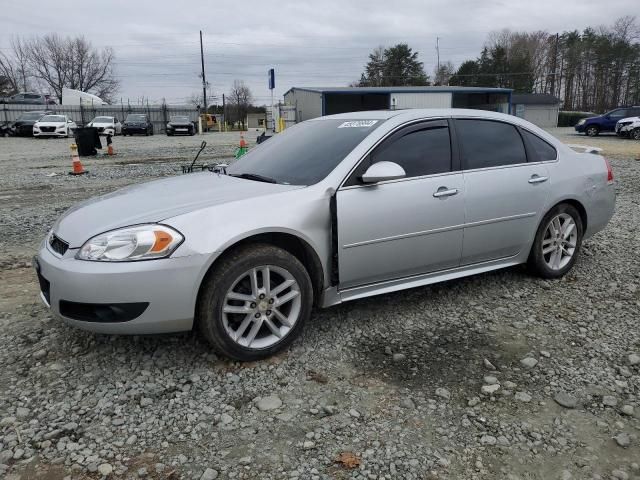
{"points": [[254, 176]]}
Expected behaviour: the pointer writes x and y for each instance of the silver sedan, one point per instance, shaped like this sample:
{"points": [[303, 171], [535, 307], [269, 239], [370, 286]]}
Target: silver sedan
{"points": [[333, 209]]}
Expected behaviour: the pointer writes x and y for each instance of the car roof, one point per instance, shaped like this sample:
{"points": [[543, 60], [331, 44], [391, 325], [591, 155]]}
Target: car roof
{"points": [[421, 113]]}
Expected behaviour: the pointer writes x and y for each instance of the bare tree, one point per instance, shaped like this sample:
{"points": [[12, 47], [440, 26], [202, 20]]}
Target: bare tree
{"points": [[14, 66], [442, 75], [59, 63], [240, 98]]}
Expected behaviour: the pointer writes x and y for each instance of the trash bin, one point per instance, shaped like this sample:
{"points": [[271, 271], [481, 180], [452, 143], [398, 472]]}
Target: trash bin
{"points": [[88, 140]]}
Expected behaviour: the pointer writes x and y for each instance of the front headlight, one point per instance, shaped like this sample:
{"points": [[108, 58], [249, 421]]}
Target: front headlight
{"points": [[581, 122], [141, 242]]}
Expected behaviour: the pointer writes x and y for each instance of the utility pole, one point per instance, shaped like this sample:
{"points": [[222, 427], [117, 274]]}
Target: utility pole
{"points": [[224, 113], [438, 53], [555, 66], [204, 80]]}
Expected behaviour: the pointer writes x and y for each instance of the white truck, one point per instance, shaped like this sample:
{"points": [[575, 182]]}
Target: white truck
{"points": [[76, 97]]}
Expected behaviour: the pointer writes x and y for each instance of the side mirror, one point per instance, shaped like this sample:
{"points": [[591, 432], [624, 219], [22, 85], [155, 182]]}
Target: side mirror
{"points": [[381, 171]]}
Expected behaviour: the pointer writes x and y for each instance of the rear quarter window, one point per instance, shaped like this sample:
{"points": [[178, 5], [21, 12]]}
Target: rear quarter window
{"points": [[545, 150]]}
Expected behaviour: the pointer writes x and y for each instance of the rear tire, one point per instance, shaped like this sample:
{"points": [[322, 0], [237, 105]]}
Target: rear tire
{"points": [[228, 323], [557, 242], [636, 134], [592, 131]]}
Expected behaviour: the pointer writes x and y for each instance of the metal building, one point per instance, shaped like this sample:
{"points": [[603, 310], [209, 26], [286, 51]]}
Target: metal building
{"points": [[538, 108], [311, 102]]}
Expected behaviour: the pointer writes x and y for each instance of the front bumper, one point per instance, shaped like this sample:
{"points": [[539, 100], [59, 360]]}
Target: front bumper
{"points": [[37, 133], [579, 127], [131, 130], [169, 287]]}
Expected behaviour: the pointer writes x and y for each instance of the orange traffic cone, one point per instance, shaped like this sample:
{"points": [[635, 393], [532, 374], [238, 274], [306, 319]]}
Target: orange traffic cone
{"points": [[75, 159], [110, 150]]}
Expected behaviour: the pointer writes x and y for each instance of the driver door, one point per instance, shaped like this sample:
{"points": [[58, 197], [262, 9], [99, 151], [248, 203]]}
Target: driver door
{"points": [[397, 228]]}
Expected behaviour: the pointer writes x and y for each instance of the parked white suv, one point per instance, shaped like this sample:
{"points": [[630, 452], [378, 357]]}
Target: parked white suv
{"points": [[629, 128]]}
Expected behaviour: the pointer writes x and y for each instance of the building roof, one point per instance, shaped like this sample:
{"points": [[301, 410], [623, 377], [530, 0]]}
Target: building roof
{"points": [[425, 89], [534, 99]]}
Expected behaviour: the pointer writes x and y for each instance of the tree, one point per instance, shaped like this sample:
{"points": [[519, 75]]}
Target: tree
{"points": [[393, 66], [594, 70], [240, 98], [443, 74], [55, 63], [14, 67]]}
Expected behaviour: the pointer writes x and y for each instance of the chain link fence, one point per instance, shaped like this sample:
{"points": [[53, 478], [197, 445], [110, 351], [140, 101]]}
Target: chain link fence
{"points": [[83, 114]]}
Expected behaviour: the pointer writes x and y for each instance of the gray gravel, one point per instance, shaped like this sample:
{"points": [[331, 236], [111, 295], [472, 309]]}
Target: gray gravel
{"points": [[430, 383]]}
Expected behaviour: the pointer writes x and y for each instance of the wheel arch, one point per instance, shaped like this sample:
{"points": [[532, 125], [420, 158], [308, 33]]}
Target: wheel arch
{"points": [[289, 242], [570, 201]]}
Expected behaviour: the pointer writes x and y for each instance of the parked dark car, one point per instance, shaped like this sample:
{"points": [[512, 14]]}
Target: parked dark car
{"points": [[593, 126], [180, 124], [23, 126], [26, 98], [137, 123], [5, 129]]}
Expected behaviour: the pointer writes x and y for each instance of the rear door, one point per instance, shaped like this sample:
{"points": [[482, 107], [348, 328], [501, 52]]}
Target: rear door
{"points": [[505, 193], [403, 227]]}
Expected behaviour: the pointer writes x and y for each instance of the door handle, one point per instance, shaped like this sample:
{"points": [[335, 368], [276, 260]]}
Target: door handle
{"points": [[445, 192], [538, 179]]}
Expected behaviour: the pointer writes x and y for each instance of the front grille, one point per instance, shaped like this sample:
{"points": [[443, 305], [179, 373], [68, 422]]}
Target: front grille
{"points": [[47, 129], [57, 244]]}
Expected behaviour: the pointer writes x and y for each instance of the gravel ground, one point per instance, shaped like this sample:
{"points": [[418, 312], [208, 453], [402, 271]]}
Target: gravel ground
{"points": [[496, 376]]}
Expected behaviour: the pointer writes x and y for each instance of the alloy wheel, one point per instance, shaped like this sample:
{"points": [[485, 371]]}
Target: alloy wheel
{"points": [[559, 241], [261, 307]]}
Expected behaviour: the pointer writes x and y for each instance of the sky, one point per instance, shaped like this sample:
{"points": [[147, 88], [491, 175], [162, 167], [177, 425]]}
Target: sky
{"points": [[309, 43]]}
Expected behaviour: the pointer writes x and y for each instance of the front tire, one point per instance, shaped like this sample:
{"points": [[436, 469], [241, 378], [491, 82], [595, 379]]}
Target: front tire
{"points": [[254, 303], [592, 131], [636, 134], [557, 242]]}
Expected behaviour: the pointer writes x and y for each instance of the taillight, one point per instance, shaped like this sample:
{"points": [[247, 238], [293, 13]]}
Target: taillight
{"points": [[609, 172]]}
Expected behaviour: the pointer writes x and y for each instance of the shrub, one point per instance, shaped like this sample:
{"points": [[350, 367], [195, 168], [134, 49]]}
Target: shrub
{"points": [[569, 119]]}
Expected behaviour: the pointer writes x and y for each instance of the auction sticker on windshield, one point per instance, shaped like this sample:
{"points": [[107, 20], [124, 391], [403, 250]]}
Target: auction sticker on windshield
{"points": [[358, 124]]}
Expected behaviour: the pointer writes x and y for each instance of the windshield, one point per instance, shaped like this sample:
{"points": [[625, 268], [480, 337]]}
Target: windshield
{"points": [[53, 118], [102, 120], [178, 119], [136, 118], [30, 116], [306, 153]]}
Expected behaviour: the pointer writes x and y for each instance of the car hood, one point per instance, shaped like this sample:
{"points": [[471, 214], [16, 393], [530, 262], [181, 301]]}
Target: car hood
{"points": [[155, 201], [50, 124], [180, 124], [96, 124], [630, 119]]}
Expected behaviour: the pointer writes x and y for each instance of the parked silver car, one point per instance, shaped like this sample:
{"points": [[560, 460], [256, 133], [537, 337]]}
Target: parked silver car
{"points": [[333, 209]]}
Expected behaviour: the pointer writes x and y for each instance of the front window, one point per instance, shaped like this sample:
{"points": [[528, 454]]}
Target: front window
{"points": [[53, 118], [136, 118], [179, 119], [620, 113], [305, 153]]}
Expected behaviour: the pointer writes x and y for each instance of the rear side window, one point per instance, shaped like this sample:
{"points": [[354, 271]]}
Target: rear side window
{"points": [[420, 152], [544, 150], [487, 143]]}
